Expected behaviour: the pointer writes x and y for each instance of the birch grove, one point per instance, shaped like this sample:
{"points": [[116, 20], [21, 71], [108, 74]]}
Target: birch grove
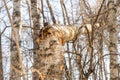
{"points": [[59, 40]]}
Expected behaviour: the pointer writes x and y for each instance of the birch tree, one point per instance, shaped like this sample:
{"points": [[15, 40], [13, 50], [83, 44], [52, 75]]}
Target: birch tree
{"points": [[16, 55], [65, 10], [82, 58], [112, 36], [36, 25], [51, 12], [1, 66]]}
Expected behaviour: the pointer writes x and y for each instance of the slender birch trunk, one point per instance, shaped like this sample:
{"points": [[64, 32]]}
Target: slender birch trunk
{"points": [[51, 12], [112, 36], [1, 66], [66, 12], [35, 24], [42, 8], [63, 13], [17, 71]]}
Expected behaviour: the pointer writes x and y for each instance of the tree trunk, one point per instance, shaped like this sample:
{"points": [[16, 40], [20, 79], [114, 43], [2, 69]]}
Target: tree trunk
{"points": [[112, 35], [67, 17], [16, 55], [35, 16], [1, 66], [63, 13], [51, 40], [51, 12], [42, 8]]}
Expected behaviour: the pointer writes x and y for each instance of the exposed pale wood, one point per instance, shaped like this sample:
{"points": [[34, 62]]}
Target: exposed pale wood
{"points": [[64, 33]]}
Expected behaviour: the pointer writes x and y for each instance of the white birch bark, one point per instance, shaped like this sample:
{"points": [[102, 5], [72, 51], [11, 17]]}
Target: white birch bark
{"points": [[112, 45], [36, 25], [16, 54]]}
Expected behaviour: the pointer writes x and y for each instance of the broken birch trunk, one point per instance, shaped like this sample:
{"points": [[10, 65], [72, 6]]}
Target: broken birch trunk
{"points": [[51, 41]]}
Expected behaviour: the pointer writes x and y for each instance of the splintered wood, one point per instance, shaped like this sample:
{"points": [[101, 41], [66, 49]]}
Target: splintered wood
{"points": [[63, 33]]}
